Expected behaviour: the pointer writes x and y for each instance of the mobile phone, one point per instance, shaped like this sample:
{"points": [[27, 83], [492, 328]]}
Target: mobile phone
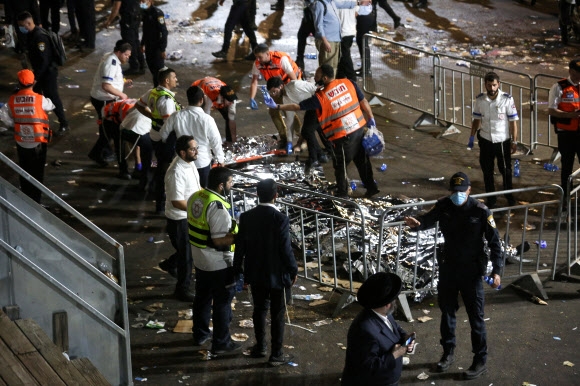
{"points": [[410, 340]]}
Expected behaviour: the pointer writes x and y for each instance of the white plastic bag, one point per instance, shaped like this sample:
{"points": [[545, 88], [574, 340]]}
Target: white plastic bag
{"points": [[373, 141]]}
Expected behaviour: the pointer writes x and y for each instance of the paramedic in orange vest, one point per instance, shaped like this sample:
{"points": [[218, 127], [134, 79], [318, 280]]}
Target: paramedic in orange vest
{"points": [[275, 63], [26, 111], [113, 114], [339, 105], [564, 106], [223, 98]]}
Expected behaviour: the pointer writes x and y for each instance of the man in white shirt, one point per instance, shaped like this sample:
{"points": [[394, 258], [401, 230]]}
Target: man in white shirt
{"points": [[495, 116], [181, 181], [108, 85], [193, 121], [347, 17]]}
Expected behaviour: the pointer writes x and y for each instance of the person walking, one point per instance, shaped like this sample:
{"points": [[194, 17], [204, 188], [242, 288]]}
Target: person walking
{"points": [[239, 15], [495, 123], [26, 112], [265, 259], [465, 223], [154, 39]]}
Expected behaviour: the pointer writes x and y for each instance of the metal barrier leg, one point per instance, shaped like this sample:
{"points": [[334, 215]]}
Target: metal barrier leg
{"points": [[345, 299], [531, 284], [555, 156], [429, 120], [574, 275], [405, 307]]}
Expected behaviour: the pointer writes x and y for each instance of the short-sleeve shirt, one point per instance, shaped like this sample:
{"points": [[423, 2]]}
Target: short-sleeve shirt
{"points": [[109, 71], [181, 181], [495, 116], [165, 106]]}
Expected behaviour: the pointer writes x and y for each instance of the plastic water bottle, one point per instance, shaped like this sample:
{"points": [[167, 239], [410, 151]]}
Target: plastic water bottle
{"points": [[310, 56], [489, 280], [353, 186], [383, 167], [517, 168]]}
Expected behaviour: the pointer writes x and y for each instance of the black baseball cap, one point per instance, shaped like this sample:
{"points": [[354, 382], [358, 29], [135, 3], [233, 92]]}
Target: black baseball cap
{"points": [[574, 64], [459, 182], [228, 93]]}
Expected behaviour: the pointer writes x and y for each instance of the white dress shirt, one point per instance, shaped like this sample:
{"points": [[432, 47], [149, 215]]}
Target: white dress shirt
{"points": [[181, 181], [109, 71], [495, 116]]}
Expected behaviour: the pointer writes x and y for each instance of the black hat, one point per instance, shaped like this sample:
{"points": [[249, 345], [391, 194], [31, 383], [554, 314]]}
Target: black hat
{"points": [[574, 64], [267, 190], [459, 182], [379, 290], [228, 93]]}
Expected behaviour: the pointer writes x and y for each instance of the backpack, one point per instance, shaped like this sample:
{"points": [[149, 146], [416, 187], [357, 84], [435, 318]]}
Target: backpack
{"points": [[309, 14], [58, 51]]}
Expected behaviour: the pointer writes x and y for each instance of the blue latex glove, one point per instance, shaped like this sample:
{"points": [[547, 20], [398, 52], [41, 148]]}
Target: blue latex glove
{"points": [[371, 122], [470, 143], [268, 101], [253, 104]]}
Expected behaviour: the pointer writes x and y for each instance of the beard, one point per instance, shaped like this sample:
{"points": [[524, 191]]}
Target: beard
{"points": [[393, 308], [492, 93]]}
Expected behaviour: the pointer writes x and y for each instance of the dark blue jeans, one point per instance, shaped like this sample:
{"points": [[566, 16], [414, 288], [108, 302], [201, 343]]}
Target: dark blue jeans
{"points": [[272, 299], [466, 280], [211, 286]]}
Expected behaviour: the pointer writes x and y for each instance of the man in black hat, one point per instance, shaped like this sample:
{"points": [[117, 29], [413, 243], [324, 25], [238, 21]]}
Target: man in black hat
{"points": [[264, 255], [564, 110], [376, 343], [464, 222]]}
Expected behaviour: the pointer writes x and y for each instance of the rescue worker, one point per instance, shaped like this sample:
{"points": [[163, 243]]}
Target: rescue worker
{"points": [[341, 124], [239, 14], [564, 109], [158, 104], [113, 114], [26, 111], [130, 12], [211, 234], [41, 56], [275, 63], [223, 98], [465, 222], [154, 39]]}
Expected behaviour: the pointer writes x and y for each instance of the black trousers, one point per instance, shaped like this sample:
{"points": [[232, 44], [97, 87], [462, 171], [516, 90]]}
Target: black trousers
{"points": [[384, 5], [146, 148], [181, 259], [101, 148], [52, 6], [303, 32], [72, 21], [569, 147], [364, 25], [203, 175], [488, 153], [345, 67], [130, 33], [464, 280], [32, 161], [308, 132], [47, 85], [164, 152], [269, 299], [239, 15], [155, 62], [112, 132], [345, 150], [86, 16], [224, 113]]}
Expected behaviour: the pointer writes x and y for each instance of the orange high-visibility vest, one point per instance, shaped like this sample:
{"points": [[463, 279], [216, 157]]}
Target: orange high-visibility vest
{"points": [[117, 111], [274, 68], [569, 102], [211, 87], [31, 122], [340, 114]]}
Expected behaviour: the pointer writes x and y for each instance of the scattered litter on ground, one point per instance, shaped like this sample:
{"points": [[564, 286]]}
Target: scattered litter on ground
{"points": [[325, 289], [322, 322], [184, 327], [317, 303], [292, 364], [422, 376], [153, 307], [155, 324], [424, 319], [185, 314], [240, 337], [568, 363], [307, 297], [537, 300], [141, 379], [288, 346], [247, 323]]}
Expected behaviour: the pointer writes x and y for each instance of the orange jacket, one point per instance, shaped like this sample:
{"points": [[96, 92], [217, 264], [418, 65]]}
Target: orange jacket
{"points": [[211, 87], [117, 111], [31, 122], [274, 68], [340, 114], [569, 102]]}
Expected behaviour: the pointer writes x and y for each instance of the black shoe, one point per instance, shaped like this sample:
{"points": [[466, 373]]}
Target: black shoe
{"points": [[184, 295], [62, 131], [258, 351], [446, 361], [277, 6], [323, 159], [282, 359], [253, 26], [228, 348], [110, 158], [124, 176], [250, 57], [310, 165], [202, 341], [101, 162], [371, 192], [421, 4], [397, 22], [476, 369], [164, 265], [220, 54]]}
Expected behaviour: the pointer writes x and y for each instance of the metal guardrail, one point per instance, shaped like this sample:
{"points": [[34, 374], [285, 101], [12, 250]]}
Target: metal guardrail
{"points": [[394, 232], [572, 257], [544, 134], [51, 267]]}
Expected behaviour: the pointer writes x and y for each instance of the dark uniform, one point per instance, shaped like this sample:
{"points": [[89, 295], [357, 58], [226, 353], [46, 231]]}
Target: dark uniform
{"points": [[40, 54], [130, 13], [154, 39], [86, 16], [239, 15], [15, 8], [305, 30], [52, 6], [462, 265]]}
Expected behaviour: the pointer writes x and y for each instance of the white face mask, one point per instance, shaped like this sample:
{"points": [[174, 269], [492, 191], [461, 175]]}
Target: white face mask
{"points": [[458, 198], [144, 5]]}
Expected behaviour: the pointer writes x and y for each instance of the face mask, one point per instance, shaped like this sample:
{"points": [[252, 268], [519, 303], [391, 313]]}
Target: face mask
{"points": [[23, 29], [144, 5], [458, 198]]}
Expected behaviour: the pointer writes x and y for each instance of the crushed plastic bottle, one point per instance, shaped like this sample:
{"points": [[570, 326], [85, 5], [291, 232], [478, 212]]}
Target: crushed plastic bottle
{"points": [[353, 185], [551, 167], [542, 243], [517, 168], [307, 297], [383, 167], [310, 56]]}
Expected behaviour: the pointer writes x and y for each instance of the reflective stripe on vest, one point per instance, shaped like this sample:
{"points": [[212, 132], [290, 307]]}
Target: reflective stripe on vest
{"points": [[198, 226], [569, 102], [211, 87], [31, 122], [340, 114], [154, 96], [274, 68], [117, 111]]}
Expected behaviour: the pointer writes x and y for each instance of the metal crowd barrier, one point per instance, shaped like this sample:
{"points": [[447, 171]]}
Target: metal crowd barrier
{"points": [[330, 234], [572, 258], [530, 218], [47, 266], [544, 132]]}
